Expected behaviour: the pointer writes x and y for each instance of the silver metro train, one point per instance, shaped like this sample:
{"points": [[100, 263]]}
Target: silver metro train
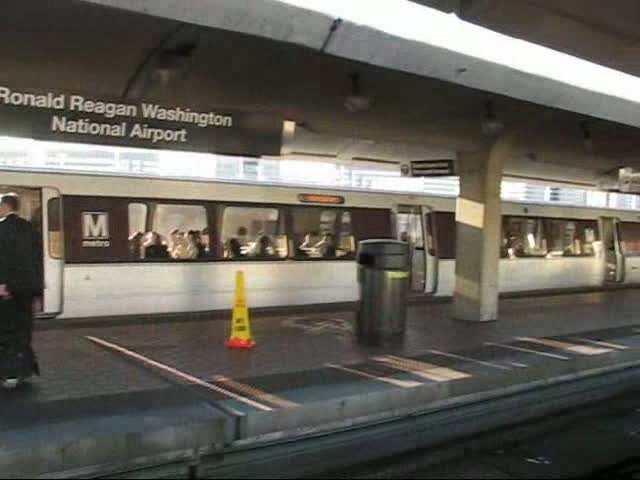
{"points": [[118, 246]]}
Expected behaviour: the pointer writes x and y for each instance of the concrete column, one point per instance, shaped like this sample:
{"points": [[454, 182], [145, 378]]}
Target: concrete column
{"points": [[478, 227]]}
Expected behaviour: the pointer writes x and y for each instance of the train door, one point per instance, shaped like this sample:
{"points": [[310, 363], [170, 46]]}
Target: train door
{"points": [[41, 206], [431, 284], [612, 253], [53, 252], [411, 228]]}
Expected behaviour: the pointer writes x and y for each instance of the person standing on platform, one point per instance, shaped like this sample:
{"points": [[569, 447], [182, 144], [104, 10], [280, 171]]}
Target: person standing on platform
{"points": [[21, 282]]}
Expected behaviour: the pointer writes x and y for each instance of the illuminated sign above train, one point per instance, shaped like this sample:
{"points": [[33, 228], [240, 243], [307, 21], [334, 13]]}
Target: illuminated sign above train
{"points": [[77, 118], [315, 198]]}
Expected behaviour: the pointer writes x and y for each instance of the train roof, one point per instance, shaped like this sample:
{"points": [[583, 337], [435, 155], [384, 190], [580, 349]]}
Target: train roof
{"points": [[144, 186]]}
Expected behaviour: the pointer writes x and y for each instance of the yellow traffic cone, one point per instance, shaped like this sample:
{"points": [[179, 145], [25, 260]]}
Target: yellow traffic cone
{"points": [[240, 325]]}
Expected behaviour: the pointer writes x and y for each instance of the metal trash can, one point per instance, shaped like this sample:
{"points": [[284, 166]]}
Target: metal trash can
{"points": [[383, 277]]}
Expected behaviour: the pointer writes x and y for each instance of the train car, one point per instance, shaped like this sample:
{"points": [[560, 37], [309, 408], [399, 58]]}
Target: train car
{"points": [[119, 246]]}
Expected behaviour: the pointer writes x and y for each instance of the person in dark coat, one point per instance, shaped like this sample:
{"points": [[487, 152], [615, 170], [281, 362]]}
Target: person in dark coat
{"points": [[153, 247], [21, 281], [327, 246]]}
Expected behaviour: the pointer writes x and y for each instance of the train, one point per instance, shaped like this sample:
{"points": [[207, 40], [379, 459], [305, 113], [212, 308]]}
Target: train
{"points": [[118, 246]]}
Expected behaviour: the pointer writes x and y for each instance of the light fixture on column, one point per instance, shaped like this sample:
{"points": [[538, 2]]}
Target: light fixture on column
{"points": [[356, 102], [491, 126], [587, 139]]}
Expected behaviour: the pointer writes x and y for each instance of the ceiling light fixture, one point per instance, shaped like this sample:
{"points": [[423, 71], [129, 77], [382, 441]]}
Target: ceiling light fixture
{"points": [[356, 102], [587, 139], [491, 126]]}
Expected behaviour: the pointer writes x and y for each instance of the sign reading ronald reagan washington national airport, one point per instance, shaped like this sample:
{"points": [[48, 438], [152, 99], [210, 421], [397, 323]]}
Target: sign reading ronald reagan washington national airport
{"points": [[67, 117]]}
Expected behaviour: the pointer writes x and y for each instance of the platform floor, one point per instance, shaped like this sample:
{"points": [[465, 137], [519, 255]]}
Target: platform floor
{"points": [[103, 370], [293, 351]]}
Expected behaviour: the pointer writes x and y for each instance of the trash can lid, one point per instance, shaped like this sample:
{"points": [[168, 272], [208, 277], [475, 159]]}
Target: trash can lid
{"points": [[383, 247]]}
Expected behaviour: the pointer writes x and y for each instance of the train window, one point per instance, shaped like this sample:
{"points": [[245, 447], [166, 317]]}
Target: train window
{"points": [[328, 221], [314, 233], [572, 238], [179, 232], [409, 228], [137, 217], [137, 227], [253, 233], [431, 243], [56, 242], [523, 237], [629, 238], [346, 241]]}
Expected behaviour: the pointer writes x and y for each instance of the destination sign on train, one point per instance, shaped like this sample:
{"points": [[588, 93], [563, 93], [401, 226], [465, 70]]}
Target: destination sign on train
{"points": [[83, 119]]}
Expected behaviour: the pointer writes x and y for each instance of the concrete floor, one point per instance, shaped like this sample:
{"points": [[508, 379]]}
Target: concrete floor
{"points": [[75, 368]]}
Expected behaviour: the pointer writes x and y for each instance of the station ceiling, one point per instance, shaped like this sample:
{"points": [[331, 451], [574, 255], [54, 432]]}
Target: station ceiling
{"points": [[74, 46], [602, 32]]}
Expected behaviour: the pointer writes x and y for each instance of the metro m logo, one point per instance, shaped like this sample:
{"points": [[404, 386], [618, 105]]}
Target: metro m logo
{"points": [[95, 226]]}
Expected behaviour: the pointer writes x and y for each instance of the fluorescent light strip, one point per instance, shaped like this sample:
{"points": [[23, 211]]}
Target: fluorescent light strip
{"points": [[411, 21]]}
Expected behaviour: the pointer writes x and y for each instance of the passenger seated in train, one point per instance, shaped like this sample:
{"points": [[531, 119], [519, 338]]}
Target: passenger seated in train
{"points": [[242, 236], [135, 245], [515, 247], [346, 247], [234, 249], [263, 247], [182, 247], [196, 239], [153, 247], [207, 242], [327, 246], [173, 242], [306, 247]]}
